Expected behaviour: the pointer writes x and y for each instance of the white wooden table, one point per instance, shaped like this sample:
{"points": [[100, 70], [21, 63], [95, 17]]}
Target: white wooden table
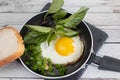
{"points": [[104, 14]]}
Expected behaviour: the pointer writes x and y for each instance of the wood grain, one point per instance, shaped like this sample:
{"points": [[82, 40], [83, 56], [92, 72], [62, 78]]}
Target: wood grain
{"points": [[36, 5], [4, 79], [72, 8], [111, 19]]}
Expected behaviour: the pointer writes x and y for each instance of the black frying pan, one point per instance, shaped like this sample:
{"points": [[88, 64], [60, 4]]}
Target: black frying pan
{"points": [[106, 62]]}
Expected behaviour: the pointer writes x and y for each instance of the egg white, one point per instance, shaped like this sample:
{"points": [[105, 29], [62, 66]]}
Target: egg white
{"points": [[51, 53]]}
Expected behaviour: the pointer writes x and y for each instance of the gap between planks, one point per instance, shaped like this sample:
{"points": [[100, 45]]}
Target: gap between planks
{"points": [[71, 8], [67, 2], [105, 19]]}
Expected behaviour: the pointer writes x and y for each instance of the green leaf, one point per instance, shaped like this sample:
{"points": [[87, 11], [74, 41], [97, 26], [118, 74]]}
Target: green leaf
{"points": [[75, 18], [42, 29], [30, 35], [50, 37], [59, 15], [35, 38], [70, 33], [59, 30], [54, 7]]}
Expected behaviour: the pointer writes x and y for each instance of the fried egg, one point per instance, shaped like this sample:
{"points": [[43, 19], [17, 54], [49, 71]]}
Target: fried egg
{"points": [[63, 50]]}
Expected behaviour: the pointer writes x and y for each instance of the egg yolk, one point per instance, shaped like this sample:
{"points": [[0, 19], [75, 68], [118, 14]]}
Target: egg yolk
{"points": [[64, 46]]}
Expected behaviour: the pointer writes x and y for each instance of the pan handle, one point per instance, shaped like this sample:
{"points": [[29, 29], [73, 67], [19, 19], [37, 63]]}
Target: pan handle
{"points": [[107, 63]]}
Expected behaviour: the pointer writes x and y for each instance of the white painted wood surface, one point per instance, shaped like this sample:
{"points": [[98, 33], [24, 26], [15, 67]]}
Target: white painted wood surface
{"points": [[104, 14]]}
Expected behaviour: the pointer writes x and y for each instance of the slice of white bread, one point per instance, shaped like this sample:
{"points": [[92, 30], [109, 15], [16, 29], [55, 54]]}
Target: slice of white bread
{"points": [[11, 45]]}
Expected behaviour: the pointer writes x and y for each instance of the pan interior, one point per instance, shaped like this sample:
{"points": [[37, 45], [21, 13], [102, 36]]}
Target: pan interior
{"points": [[84, 34]]}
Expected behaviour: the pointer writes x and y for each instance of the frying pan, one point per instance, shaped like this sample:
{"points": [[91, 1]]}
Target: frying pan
{"points": [[105, 62]]}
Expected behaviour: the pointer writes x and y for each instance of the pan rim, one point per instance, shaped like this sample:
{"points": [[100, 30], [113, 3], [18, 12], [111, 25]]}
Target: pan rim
{"points": [[67, 75]]}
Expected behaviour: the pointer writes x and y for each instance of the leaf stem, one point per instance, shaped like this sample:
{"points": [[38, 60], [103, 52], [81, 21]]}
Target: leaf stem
{"points": [[45, 16]]}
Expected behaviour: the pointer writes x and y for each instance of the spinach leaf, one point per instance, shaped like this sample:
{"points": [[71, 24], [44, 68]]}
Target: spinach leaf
{"points": [[70, 32], [50, 37], [60, 30], [59, 15], [30, 35], [74, 19], [35, 37], [54, 7], [42, 29]]}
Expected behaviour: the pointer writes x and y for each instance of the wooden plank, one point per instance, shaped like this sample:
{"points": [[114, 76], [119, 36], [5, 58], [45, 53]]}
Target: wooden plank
{"points": [[103, 19], [111, 50], [78, 2], [94, 8], [94, 2], [36, 5], [15, 18], [106, 19], [71, 8], [67, 2], [21, 5], [113, 35], [4, 79], [15, 69], [93, 72], [108, 27]]}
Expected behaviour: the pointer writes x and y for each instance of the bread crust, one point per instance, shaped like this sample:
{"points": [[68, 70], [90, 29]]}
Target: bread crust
{"points": [[18, 52]]}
